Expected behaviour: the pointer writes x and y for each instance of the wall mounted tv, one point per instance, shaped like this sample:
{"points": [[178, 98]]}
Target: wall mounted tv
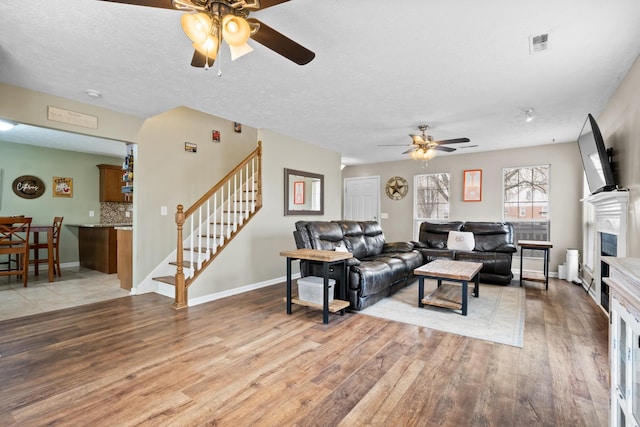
{"points": [[594, 158]]}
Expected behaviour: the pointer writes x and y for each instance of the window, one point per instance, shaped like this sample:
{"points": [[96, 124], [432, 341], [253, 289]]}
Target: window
{"points": [[526, 203], [430, 198]]}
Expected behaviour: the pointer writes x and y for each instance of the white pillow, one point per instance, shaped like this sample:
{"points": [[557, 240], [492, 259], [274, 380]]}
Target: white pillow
{"points": [[461, 241], [341, 248]]}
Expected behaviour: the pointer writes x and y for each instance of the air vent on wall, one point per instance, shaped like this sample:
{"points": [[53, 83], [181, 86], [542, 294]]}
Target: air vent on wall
{"points": [[538, 43]]}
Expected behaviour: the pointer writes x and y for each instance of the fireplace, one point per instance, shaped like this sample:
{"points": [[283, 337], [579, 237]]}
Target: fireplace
{"points": [[605, 237], [608, 247]]}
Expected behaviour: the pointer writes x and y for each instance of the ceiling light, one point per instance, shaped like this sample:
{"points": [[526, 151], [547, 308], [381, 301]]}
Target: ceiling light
{"points": [[93, 93], [206, 31], [6, 125], [529, 115]]}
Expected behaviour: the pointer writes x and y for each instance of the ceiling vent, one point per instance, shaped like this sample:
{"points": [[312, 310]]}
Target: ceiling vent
{"points": [[538, 43]]}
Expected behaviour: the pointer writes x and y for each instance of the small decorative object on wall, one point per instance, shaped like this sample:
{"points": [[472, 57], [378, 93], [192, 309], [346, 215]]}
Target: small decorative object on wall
{"points": [[190, 147], [298, 192], [215, 135], [62, 187], [28, 187], [237, 127], [472, 190], [396, 188]]}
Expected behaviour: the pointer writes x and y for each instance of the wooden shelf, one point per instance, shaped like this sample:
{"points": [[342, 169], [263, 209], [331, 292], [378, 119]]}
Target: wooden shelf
{"points": [[532, 276], [447, 296], [334, 306]]}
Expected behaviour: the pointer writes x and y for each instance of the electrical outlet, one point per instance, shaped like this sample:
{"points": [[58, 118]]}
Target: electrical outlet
{"points": [[127, 214], [92, 214]]}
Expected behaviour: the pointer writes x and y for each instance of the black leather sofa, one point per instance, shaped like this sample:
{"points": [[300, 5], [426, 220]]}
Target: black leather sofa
{"points": [[494, 247], [377, 268]]}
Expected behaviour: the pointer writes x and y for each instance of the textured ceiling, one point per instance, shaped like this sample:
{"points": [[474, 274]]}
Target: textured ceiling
{"points": [[381, 68]]}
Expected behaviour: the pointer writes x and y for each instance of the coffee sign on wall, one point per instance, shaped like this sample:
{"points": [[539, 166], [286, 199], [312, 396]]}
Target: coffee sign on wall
{"points": [[28, 187]]}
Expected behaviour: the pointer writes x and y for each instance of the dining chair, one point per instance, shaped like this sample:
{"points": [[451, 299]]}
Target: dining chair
{"points": [[14, 241], [57, 227]]}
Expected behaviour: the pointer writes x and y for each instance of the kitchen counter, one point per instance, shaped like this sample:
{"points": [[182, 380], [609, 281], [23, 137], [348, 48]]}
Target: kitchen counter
{"points": [[101, 225]]}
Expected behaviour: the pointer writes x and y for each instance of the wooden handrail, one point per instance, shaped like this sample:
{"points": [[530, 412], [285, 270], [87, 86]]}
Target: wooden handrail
{"points": [[181, 282], [208, 194]]}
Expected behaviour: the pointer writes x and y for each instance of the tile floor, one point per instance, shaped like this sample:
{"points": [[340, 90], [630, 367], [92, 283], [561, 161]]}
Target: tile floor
{"points": [[77, 286]]}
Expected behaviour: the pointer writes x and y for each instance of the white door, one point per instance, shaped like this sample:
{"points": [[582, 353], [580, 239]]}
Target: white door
{"points": [[362, 198]]}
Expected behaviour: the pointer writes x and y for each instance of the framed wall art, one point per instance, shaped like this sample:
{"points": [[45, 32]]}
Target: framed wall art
{"points": [[190, 147], [215, 135], [472, 189], [62, 187]]}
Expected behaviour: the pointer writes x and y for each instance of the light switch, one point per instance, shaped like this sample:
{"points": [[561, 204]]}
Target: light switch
{"points": [[92, 214], [163, 210], [384, 215], [127, 214]]}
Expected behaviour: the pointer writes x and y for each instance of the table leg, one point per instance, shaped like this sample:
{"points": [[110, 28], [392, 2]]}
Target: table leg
{"points": [[288, 285], [325, 293], [521, 252], [464, 297], [420, 291], [546, 269], [476, 288]]}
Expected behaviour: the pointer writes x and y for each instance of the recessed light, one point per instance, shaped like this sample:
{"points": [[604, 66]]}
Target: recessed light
{"points": [[93, 93]]}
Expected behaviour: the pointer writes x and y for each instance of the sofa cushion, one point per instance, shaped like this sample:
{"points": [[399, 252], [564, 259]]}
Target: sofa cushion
{"points": [[324, 235], [492, 236], [461, 240], [373, 236], [354, 238], [436, 234]]}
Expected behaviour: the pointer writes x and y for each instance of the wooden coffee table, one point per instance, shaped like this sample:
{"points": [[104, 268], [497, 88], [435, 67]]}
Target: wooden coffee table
{"points": [[448, 295]]}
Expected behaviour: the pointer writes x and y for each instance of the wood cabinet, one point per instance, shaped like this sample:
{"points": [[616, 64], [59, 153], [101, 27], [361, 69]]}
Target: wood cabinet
{"points": [[98, 248], [624, 339], [125, 254], [111, 184]]}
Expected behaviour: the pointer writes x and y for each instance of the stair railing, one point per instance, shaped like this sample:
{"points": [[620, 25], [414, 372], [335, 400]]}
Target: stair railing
{"points": [[215, 219]]}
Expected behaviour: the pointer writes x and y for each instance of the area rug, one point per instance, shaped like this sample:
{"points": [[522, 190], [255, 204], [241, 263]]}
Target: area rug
{"points": [[497, 315]]}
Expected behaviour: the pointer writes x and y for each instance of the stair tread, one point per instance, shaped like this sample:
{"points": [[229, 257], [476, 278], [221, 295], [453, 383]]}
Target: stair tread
{"points": [[171, 280]]}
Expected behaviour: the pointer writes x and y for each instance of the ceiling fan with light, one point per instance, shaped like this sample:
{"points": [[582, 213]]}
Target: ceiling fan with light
{"points": [[424, 147], [210, 22]]}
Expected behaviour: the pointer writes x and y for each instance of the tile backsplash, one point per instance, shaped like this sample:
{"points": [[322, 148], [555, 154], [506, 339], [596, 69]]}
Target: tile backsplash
{"points": [[116, 213]]}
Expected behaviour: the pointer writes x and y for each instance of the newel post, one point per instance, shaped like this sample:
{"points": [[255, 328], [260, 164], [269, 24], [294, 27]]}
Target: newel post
{"points": [[181, 291]]}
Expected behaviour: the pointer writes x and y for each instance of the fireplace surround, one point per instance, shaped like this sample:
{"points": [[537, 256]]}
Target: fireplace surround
{"points": [[605, 232]]}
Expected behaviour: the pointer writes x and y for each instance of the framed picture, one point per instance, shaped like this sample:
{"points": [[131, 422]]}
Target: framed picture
{"points": [[215, 135], [298, 193], [237, 127], [472, 190], [62, 187], [190, 147]]}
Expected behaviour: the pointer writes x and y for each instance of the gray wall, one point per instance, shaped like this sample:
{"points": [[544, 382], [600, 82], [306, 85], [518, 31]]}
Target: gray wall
{"points": [[566, 190]]}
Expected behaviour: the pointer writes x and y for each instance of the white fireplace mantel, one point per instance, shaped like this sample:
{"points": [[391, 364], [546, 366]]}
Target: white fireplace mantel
{"points": [[610, 216]]}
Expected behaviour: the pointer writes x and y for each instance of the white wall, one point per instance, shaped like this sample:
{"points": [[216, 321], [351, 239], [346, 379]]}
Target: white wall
{"points": [[566, 190]]}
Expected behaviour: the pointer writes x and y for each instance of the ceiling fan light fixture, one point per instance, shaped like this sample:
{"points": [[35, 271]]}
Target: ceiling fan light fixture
{"points": [[197, 26], [235, 30], [209, 48]]}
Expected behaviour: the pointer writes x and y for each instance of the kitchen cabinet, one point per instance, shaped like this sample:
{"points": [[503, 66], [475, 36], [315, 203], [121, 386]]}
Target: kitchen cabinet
{"points": [[111, 184], [98, 248], [125, 253]]}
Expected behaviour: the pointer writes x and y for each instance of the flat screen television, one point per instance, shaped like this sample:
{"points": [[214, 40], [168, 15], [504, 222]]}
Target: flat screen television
{"points": [[595, 159]]}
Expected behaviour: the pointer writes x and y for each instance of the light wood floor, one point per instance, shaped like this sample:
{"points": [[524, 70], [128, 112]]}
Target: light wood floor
{"points": [[241, 361]]}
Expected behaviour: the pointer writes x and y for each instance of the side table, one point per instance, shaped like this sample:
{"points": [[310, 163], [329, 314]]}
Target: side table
{"points": [[541, 245], [327, 258]]}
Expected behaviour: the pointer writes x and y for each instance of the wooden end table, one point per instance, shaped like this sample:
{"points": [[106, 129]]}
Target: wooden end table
{"points": [[448, 295], [541, 245], [327, 258]]}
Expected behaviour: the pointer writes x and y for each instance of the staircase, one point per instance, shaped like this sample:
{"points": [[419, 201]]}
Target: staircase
{"points": [[212, 222]]}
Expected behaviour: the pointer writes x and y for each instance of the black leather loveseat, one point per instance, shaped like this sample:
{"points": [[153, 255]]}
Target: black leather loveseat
{"points": [[377, 267], [494, 246]]}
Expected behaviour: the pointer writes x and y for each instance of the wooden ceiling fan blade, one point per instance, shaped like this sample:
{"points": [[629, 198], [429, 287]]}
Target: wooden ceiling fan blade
{"points": [[199, 60], [454, 141], [447, 149], [409, 150], [268, 3], [162, 4], [281, 44]]}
